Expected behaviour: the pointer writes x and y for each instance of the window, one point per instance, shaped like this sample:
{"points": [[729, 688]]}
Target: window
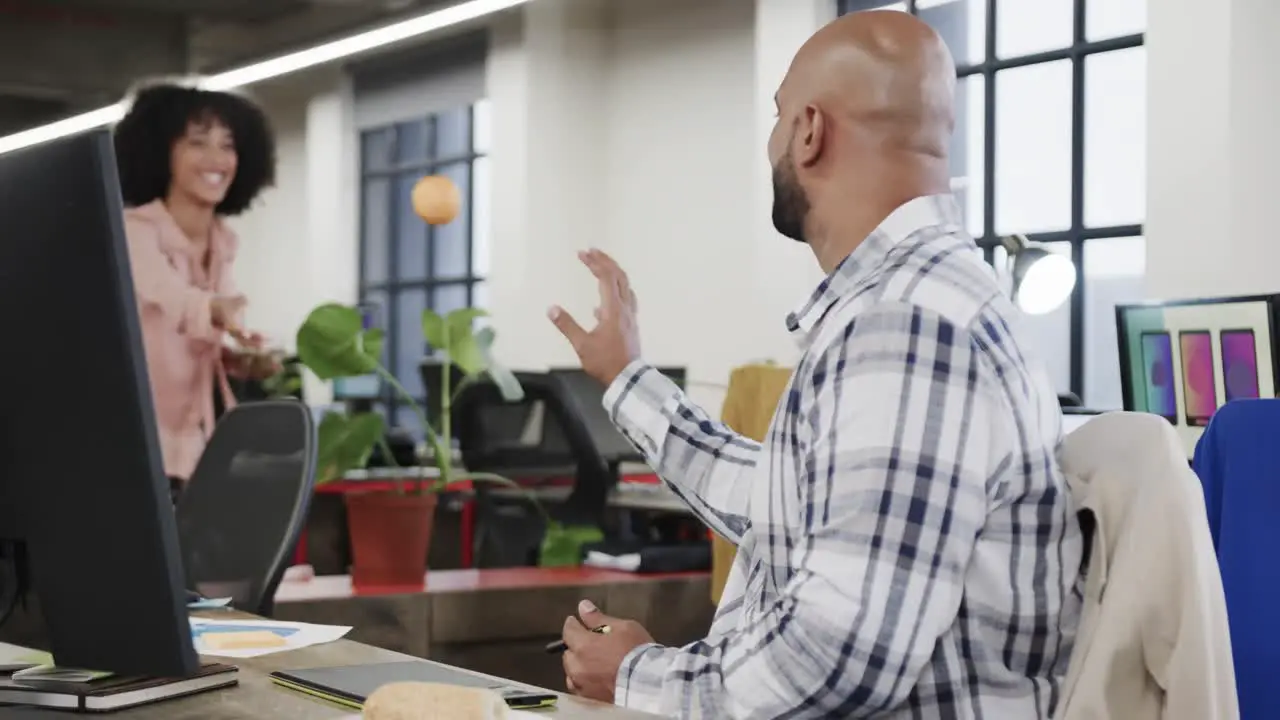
{"points": [[1050, 141], [407, 266]]}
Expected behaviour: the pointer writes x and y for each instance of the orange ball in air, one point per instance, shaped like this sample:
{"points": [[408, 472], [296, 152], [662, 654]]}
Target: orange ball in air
{"points": [[436, 199]]}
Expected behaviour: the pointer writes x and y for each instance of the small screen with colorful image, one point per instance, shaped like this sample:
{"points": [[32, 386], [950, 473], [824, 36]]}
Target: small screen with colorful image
{"points": [[1157, 364], [1199, 383], [1239, 364]]}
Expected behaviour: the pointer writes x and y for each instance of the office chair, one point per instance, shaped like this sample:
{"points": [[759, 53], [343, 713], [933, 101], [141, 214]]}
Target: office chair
{"points": [[246, 503], [1238, 461], [541, 437]]}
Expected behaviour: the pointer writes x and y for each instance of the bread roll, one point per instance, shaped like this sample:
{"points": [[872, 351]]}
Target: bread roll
{"points": [[432, 701]]}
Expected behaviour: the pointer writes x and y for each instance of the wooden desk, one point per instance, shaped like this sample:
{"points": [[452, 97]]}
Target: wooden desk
{"points": [[499, 621], [256, 697]]}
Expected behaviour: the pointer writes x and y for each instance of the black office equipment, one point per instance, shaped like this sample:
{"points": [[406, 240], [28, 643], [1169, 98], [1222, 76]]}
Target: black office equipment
{"points": [[533, 440], [585, 395], [550, 433], [246, 503], [559, 429], [85, 512]]}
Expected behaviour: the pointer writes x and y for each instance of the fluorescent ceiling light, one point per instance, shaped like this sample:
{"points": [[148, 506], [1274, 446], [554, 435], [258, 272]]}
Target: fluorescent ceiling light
{"points": [[275, 67]]}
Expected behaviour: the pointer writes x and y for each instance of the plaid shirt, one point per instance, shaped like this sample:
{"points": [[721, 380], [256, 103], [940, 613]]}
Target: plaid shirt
{"points": [[907, 546]]}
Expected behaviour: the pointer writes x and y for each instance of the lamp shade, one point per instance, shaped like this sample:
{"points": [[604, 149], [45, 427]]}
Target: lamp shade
{"points": [[1042, 280], [436, 199]]}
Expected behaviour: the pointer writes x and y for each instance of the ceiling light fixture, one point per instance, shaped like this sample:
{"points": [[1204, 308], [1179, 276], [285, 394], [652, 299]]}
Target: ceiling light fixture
{"points": [[417, 26]]}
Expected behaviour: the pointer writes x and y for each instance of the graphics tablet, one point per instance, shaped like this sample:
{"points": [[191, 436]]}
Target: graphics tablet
{"points": [[350, 685]]}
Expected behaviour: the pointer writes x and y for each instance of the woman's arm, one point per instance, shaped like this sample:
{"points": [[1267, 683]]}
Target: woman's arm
{"points": [[158, 285]]}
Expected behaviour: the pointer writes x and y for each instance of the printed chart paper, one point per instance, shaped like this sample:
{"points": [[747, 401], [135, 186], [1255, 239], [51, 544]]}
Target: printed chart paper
{"points": [[275, 636]]}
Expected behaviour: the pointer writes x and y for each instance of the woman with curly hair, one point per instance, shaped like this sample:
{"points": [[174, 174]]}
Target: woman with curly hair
{"points": [[189, 158]]}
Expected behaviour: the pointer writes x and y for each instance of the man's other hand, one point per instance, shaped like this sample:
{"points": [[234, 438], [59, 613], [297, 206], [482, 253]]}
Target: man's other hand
{"points": [[607, 349]]}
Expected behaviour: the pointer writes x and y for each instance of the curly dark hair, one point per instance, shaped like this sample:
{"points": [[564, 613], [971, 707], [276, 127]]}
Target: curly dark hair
{"points": [[160, 115]]}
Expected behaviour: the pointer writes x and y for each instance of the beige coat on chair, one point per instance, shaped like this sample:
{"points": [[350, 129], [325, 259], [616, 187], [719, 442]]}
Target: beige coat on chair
{"points": [[1153, 641]]}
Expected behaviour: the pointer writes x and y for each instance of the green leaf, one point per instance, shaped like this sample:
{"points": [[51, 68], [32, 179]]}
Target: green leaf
{"points": [[374, 339], [282, 384], [333, 343], [345, 443], [461, 347], [433, 330], [506, 380], [562, 546], [484, 340], [508, 385], [461, 321], [464, 353]]}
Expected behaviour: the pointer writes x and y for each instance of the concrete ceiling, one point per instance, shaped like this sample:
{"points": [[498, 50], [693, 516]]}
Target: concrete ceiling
{"points": [[58, 57]]}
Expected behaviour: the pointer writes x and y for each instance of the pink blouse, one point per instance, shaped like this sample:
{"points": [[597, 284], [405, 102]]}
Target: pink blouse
{"points": [[184, 351]]}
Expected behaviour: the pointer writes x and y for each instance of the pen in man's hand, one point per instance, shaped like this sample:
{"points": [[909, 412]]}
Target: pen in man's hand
{"points": [[558, 646]]}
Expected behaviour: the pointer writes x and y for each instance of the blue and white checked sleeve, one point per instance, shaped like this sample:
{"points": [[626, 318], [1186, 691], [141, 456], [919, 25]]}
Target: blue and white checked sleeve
{"points": [[702, 460], [894, 440]]}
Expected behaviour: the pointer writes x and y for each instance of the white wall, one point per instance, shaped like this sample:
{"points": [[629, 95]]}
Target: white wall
{"points": [[1213, 150], [637, 127], [640, 128], [547, 85], [785, 271], [681, 196], [298, 244]]}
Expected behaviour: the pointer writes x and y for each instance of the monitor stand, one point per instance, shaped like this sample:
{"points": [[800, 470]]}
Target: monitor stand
{"points": [[589, 498], [24, 650]]}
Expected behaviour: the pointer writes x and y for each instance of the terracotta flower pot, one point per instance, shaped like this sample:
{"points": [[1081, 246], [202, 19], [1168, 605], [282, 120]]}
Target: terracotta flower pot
{"points": [[390, 537]]}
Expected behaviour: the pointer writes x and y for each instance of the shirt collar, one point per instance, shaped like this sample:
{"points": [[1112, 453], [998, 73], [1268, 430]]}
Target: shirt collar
{"points": [[174, 240], [922, 212]]}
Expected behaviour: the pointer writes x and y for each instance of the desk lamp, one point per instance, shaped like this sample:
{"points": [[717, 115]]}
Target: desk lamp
{"points": [[1042, 280]]}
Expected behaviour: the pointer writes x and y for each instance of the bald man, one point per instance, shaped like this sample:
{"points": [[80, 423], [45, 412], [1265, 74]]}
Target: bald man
{"points": [[907, 546]]}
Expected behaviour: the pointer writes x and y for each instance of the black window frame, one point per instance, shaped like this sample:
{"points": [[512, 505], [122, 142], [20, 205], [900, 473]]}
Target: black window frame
{"points": [[392, 287], [1078, 234]]}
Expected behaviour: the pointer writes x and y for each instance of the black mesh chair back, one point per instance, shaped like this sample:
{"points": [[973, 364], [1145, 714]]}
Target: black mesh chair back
{"points": [[245, 505], [542, 436], [526, 439]]}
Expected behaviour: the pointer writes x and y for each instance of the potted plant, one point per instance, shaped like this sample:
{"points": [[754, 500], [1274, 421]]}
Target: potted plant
{"points": [[391, 531]]}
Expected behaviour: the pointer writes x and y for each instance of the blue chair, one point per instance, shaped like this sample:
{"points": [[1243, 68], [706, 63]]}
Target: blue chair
{"points": [[1238, 461]]}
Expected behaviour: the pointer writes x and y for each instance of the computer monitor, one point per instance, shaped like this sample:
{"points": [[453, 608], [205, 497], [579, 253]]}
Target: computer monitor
{"points": [[586, 395], [86, 520]]}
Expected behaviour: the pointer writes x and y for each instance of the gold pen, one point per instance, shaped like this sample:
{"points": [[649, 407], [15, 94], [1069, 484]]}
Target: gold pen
{"points": [[558, 646]]}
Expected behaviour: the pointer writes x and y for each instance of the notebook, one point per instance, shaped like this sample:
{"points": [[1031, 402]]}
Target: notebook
{"points": [[349, 686], [113, 692]]}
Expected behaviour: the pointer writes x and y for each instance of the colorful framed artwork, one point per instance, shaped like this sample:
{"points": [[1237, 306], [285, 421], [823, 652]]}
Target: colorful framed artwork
{"points": [[1183, 360]]}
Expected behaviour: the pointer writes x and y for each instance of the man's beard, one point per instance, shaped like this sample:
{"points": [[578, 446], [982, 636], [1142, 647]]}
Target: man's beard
{"points": [[790, 204]]}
